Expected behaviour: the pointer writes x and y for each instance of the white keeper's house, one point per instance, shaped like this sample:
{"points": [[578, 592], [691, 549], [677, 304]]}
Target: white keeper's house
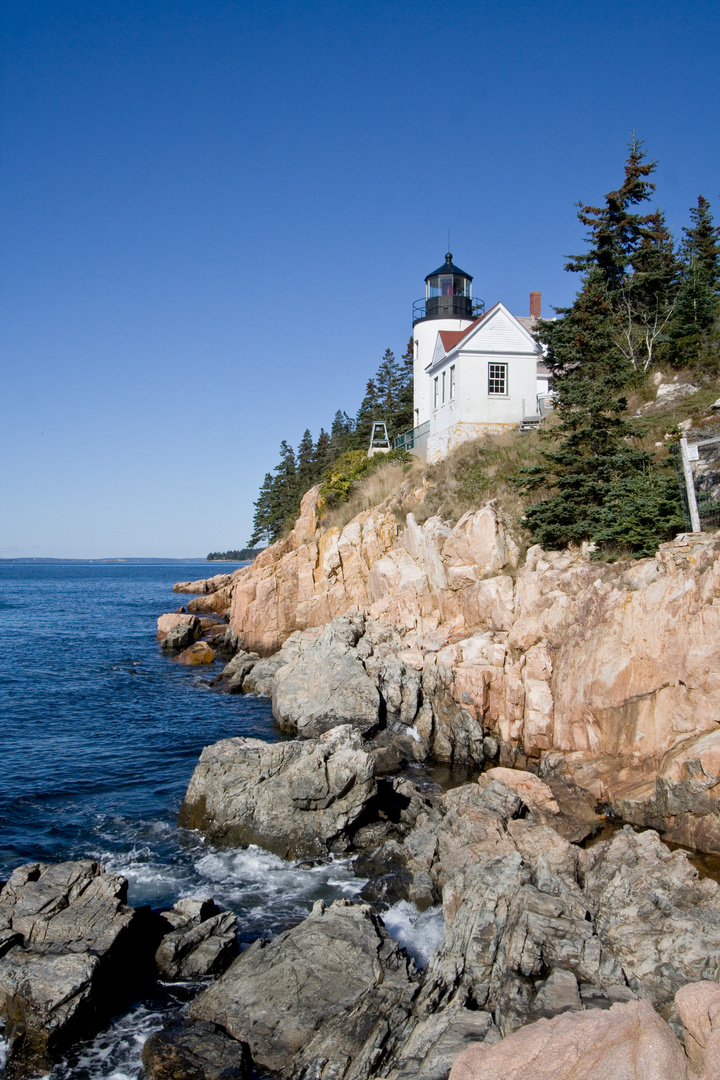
{"points": [[475, 371]]}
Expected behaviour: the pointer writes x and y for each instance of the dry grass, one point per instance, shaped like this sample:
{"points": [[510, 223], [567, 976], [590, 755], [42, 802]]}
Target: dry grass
{"points": [[484, 469], [375, 489]]}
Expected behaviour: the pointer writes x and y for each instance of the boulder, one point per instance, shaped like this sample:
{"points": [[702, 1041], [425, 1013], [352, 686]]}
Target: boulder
{"points": [[75, 950], [261, 677], [326, 685], [173, 619], [195, 1051], [199, 653], [320, 999], [178, 638], [296, 799], [627, 1042], [699, 1007], [202, 941], [233, 675]]}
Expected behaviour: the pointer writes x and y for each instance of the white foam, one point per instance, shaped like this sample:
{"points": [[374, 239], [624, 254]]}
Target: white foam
{"points": [[419, 932], [114, 1054]]}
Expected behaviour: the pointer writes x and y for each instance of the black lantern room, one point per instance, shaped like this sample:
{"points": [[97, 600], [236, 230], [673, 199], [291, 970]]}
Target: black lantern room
{"points": [[448, 292]]}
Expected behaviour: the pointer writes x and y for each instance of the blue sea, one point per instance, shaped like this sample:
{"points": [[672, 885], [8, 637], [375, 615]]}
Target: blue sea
{"points": [[99, 735]]}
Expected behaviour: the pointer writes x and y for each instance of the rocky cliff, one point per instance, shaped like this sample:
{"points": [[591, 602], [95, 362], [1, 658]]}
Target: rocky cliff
{"points": [[557, 663]]}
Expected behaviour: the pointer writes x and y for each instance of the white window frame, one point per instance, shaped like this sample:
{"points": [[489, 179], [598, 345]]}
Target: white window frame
{"points": [[496, 372], [443, 388], [452, 383], [436, 391]]}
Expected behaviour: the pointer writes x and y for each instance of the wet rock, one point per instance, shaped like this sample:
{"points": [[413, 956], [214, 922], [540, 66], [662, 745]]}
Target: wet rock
{"points": [[325, 999], [326, 684], [233, 675], [628, 1042], [202, 941], [195, 1051], [295, 799], [79, 950], [199, 653]]}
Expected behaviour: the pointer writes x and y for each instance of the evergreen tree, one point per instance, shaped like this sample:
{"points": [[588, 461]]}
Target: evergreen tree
{"points": [[341, 434], [387, 383], [262, 519], [701, 243], [305, 463], [697, 302], [285, 494], [645, 306], [590, 351], [404, 415], [370, 409], [322, 457], [615, 232]]}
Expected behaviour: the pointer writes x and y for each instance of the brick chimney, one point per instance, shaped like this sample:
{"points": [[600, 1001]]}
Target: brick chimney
{"points": [[535, 305]]}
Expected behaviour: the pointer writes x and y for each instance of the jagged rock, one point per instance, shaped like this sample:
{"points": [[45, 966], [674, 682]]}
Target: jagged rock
{"points": [[628, 1042], [326, 685], [199, 653], [295, 799], [324, 999], [204, 585], [195, 1051], [262, 676], [233, 675], [78, 951], [202, 941]]}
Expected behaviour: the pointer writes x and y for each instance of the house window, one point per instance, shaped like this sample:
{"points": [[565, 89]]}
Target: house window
{"points": [[452, 383], [435, 392], [443, 387], [497, 378]]}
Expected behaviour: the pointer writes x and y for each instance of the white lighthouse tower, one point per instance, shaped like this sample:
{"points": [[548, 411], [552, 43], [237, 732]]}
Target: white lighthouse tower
{"points": [[448, 305]]}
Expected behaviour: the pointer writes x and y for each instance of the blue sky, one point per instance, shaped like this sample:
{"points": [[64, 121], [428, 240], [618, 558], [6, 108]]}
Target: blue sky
{"points": [[216, 217]]}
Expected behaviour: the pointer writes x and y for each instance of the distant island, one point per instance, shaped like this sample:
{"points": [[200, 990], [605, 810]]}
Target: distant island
{"points": [[243, 555]]}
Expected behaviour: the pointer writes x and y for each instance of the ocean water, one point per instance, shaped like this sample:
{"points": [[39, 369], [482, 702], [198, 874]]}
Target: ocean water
{"points": [[99, 735]]}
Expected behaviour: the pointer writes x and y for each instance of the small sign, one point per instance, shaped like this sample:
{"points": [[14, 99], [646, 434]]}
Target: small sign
{"points": [[693, 452]]}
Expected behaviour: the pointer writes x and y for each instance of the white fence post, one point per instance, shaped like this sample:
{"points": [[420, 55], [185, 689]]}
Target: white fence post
{"points": [[690, 485]]}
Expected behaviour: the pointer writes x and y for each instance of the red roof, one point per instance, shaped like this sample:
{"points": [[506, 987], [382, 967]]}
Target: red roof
{"points": [[450, 338]]}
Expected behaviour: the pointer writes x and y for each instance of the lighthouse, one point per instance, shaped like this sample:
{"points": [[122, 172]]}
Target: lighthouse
{"points": [[447, 305]]}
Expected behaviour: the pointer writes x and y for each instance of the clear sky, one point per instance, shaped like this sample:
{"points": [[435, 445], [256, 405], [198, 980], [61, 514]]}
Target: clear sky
{"points": [[216, 217]]}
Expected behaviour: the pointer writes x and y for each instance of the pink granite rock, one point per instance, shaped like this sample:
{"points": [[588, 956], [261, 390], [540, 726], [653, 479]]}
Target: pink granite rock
{"points": [[627, 1042]]}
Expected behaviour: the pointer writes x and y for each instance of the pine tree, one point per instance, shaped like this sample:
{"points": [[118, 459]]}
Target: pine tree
{"points": [[305, 460], [702, 243], [698, 298], [593, 359], [262, 519], [322, 457], [370, 409], [404, 415], [387, 380], [615, 232], [341, 434]]}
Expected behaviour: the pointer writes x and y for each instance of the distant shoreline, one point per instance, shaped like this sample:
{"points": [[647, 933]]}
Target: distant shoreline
{"points": [[134, 561]]}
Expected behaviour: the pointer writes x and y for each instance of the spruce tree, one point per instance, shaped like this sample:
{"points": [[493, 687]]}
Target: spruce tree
{"points": [[341, 434], [404, 416], [322, 456], [305, 460], [262, 519], [370, 409], [594, 463], [698, 299]]}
